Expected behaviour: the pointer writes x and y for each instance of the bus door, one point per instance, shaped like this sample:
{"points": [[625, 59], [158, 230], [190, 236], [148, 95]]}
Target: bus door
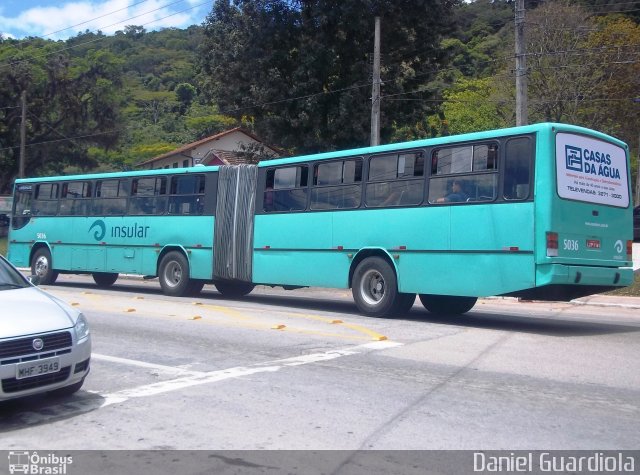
{"points": [[233, 232]]}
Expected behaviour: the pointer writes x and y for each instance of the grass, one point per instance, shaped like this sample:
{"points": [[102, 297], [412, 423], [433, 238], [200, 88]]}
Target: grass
{"points": [[632, 291]]}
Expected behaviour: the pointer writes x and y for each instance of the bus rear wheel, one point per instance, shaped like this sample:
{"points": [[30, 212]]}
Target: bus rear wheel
{"points": [[375, 289], [447, 304], [234, 289], [104, 279], [174, 274], [404, 303], [41, 265], [195, 287]]}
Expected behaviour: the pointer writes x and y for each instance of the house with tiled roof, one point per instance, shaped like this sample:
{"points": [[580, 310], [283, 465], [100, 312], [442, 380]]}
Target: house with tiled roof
{"points": [[226, 148]]}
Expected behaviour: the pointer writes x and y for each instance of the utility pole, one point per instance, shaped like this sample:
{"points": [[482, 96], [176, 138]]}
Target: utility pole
{"points": [[375, 97], [521, 67], [638, 176], [23, 134]]}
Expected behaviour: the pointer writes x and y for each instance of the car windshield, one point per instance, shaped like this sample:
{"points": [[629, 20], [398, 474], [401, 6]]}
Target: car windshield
{"points": [[10, 278]]}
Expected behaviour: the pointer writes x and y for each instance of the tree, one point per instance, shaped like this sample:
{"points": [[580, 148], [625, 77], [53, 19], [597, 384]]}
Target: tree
{"points": [[185, 94], [472, 105], [71, 105], [302, 69], [583, 69]]}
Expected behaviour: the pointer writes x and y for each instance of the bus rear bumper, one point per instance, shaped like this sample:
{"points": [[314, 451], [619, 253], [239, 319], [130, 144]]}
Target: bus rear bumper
{"points": [[583, 275], [562, 282]]}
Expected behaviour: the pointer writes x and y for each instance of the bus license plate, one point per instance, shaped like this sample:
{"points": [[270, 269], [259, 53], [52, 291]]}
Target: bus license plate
{"points": [[593, 244], [37, 368]]}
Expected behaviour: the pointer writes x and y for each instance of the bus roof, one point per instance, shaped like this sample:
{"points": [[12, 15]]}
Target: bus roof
{"points": [[430, 142], [93, 176]]}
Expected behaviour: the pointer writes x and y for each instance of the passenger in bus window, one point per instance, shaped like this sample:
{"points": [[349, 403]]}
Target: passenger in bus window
{"points": [[456, 195]]}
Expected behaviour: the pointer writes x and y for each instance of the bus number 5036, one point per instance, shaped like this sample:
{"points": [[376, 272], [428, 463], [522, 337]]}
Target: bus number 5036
{"points": [[571, 245]]}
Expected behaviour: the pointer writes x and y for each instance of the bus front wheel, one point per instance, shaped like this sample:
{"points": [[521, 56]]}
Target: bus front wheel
{"points": [[104, 279], [447, 304], [375, 289], [41, 265], [174, 274]]}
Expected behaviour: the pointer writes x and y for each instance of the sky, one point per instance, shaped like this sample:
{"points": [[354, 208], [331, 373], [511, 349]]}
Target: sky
{"points": [[62, 19]]}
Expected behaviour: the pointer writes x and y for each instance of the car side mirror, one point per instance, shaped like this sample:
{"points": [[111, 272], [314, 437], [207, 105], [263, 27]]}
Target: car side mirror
{"points": [[34, 279]]}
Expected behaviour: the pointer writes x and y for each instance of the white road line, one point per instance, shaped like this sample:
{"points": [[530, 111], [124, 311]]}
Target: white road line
{"points": [[143, 364], [190, 378], [238, 372]]}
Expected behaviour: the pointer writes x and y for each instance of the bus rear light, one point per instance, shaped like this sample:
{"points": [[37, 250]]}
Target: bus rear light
{"points": [[552, 244], [629, 249]]}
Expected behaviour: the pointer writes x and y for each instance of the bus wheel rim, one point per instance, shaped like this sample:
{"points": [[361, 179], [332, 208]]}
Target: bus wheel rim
{"points": [[372, 287], [173, 274], [42, 266]]}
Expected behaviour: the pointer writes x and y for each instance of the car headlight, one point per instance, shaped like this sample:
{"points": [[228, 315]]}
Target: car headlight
{"points": [[81, 327]]}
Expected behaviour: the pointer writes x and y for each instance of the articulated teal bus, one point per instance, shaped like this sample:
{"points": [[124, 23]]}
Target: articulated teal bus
{"points": [[539, 212]]}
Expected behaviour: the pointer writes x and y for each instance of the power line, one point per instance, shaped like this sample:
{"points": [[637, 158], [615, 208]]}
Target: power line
{"points": [[93, 19], [62, 140], [60, 50]]}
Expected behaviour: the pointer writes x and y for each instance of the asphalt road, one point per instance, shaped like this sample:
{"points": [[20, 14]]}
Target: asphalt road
{"points": [[302, 370]]}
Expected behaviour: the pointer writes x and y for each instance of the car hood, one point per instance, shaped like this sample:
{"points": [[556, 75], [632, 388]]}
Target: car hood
{"points": [[31, 310]]}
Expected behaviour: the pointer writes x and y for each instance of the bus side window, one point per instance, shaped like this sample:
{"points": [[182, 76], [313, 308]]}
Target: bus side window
{"points": [[288, 188], [517, 170], [187, 194], [76, 198], [395, 180], [463, 174], [45, 201], [148, 196], [337, 184]]}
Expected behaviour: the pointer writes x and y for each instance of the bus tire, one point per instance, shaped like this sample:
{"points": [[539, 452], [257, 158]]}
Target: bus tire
{"points": [[174, 274], [375, 287], [404, 303], [105, 279], [195, 287], [41, 265], [447, 304], [234, 289]]}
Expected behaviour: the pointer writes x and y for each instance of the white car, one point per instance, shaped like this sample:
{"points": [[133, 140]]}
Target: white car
{"points": [[45, 345]]}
